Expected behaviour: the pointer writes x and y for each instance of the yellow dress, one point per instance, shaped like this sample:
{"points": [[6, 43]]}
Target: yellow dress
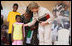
{"points": [[17, 33], [11, 20]]}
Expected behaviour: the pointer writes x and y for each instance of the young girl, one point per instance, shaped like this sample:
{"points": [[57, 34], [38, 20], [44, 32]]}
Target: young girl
{"points": [[18, 32]]}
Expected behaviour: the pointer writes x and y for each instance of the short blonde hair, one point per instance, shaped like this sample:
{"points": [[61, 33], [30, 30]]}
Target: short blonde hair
{"points": [[33, 5]]}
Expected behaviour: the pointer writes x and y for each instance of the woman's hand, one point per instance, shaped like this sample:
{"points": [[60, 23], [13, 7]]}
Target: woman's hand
{"points": [[43, 23], [25, 24]]}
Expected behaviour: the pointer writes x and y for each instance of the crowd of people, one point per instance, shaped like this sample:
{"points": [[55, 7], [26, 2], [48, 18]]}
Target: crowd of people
{"points": [[30, 29], [61, 21]]}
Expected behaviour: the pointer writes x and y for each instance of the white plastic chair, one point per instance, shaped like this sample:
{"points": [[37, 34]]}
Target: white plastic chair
{"points": [[63, 37]]}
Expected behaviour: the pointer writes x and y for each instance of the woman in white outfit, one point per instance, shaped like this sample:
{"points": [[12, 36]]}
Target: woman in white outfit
{"points": [[44, 28]]}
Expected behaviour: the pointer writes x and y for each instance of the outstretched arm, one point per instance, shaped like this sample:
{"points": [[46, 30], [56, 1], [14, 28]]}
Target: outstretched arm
{"points": [[50, 19], [23, 31], [31, 23]]}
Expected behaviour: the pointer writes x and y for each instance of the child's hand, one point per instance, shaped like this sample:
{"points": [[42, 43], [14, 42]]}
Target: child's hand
{"points": [[12, 40], [23, 38], [25, 25]]}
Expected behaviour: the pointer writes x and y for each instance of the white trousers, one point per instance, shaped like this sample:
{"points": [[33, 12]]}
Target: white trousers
{"points": [[54, 34], [45, 35]]}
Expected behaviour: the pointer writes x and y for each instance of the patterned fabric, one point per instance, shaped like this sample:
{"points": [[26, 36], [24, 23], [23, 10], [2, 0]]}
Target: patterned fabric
{"points": [[29, 32], [17, 33]]}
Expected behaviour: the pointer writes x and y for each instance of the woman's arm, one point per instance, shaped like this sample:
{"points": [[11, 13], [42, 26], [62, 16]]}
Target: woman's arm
{"points": [[49, 15], [31, 23], [23, 31], [50, 19]]}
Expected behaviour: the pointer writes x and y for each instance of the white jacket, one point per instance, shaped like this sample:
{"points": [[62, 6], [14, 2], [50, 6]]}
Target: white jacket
{"points": [[42, 11]]}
